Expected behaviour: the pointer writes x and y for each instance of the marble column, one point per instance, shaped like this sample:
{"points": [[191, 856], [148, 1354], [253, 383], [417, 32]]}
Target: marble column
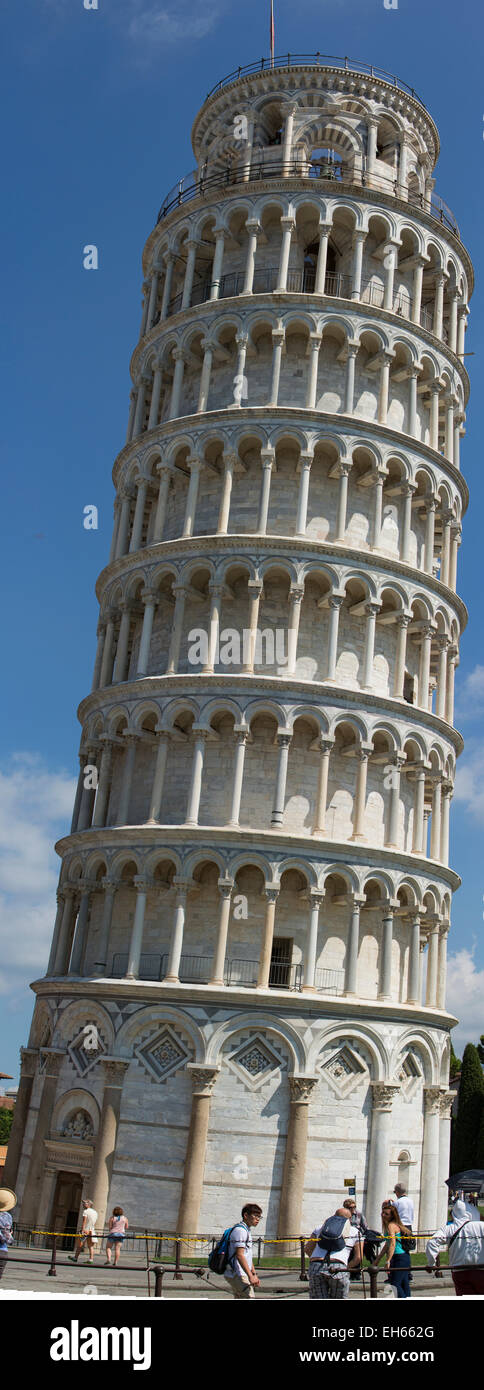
{"points": [[254, 588], [359, 238], [413, 988], [294, 1171], [452, 662], [66, 930], [432, 964], [447, 791], [288, 224], [271, 895], [371, 610], [434, 416], [176, 389], [176, 945], [142, 886], [431, 506], [121, 662], [446, 1102], [50, 1063], [429, 1193], [136, 535], [163, 744], [403, 622], [344, 470], [220, 235], [60, 899], [230, 461], [351, 964], [408, 490], [390, 267], [149, 600], [314, 344], [203, 1079], [108, 652], [438, 323], [155, 398], [226, 887], [296, 595], [140, 407], [123, 532], [320, 280], [208, 350], [334, 607], [316, 897], [350, 378], [253, 229], [442, 965], [379, 1181], [195, 791], [180, 591], [396, 762], [193, 246], [386, 359], [87, 888], [129, 743], [385, 982], [267, 460], [436, 826], [278, 339], [28, 1065], [305, 461], [170, 265], [283, 744], [109, 885], [195, 465], [424, 666], [114, 1070], [325, 746], [216, 592], [418, 810], [165, 473], [241, 736], [287, 154]]}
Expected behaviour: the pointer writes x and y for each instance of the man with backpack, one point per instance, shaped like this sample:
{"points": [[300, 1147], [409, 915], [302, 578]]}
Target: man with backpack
{"points": [[334, 1249], [232, 1256], [464, 1238]]}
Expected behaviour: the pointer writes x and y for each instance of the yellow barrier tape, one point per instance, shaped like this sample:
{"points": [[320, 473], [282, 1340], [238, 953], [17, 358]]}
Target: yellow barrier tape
{"points": [[186, 1238]]}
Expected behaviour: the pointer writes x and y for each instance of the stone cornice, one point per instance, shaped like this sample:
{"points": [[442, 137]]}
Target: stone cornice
{"points": [[305, 419], [311, 1006], [286, 690], [302, 547], [277, 842], [312, 302]]}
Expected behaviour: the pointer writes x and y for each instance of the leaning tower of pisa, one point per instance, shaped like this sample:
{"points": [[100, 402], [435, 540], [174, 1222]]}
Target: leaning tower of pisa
{"points": [[245, 996]]}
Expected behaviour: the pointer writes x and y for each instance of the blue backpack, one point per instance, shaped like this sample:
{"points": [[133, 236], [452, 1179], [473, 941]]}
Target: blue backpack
{"points": [[219, 1257]]}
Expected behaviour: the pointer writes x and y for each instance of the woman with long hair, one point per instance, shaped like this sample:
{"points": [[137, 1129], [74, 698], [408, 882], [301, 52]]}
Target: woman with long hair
{"points": [[397, 1260]]}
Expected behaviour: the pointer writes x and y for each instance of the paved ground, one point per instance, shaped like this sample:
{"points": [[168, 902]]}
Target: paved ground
{"points": [[83, 1280]]}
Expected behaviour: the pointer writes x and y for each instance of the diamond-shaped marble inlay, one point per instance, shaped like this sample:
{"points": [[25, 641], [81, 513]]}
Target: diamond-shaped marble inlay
{"points": [[343, 1070], [255, 1060], [163, 1054], [86, 1049]]}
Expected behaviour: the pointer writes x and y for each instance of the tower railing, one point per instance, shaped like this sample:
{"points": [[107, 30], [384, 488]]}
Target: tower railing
{"points": [[238, 972], [326, 173], [320, 60]]}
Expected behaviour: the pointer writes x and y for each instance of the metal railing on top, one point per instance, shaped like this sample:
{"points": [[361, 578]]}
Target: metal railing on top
{"points": [[265, 282], [243, 973], [326, 172], [320, 60]]}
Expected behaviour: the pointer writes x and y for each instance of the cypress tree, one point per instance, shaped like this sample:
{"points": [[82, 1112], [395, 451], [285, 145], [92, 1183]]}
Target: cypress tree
{"points": [[471, 1098]]}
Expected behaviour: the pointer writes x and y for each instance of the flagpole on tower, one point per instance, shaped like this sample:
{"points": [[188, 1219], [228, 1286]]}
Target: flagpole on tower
{"points": [[272, 33]]}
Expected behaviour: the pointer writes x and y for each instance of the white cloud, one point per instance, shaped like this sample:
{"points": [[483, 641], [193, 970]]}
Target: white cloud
{"points": [[470, 695], [465, 998], [469, 780], [35, 808], [150, 23]]}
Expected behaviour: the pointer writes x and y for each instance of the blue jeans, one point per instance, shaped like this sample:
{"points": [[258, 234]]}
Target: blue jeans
{"points": [[398, 1276]]}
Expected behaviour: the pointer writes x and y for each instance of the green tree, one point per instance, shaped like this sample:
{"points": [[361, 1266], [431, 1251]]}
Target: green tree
{"points": [[480, 1047], [6, 1120], [471, 1098], [455, 1062]]}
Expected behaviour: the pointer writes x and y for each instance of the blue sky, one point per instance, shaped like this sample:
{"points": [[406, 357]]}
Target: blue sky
{"points": [[98, 105]]}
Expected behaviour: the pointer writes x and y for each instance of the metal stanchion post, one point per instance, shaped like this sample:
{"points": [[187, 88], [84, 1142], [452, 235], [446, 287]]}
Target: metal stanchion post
{"points": [[52, 1270], [303, 1276], [178, 1274], [373, 1273], [158, 1272]]}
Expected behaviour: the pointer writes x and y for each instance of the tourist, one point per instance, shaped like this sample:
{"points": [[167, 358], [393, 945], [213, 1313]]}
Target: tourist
{"points": [[404, 1205], [464, 1238], [87, 1232], [356, 1217], [240, 1272], [8, 1200], [118, 1225], [397, 1263], [334, 1250]]}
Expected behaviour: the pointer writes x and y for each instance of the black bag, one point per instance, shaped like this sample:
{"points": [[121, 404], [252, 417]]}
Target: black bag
{"points": [[330, 1238], [219, 1257]]}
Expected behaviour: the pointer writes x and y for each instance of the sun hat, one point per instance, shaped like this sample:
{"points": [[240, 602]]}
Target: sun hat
{"points": [[8, 1199]]}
